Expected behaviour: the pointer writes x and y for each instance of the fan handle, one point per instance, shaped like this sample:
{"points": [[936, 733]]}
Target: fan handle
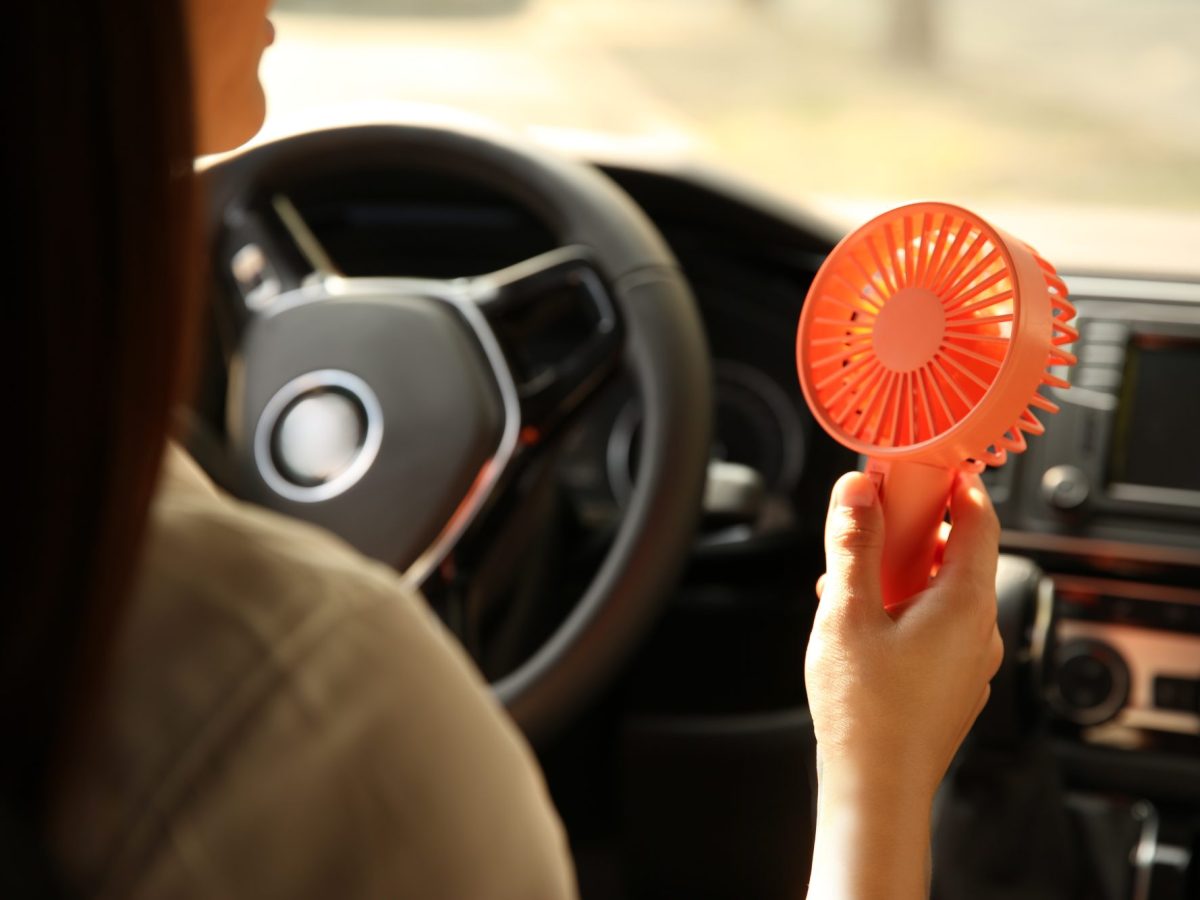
{"points": [[914, 498]]}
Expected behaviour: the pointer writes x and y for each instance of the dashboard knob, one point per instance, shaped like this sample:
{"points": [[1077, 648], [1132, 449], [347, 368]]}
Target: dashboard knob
{"points": [[1091, 682], [1065, 487]]}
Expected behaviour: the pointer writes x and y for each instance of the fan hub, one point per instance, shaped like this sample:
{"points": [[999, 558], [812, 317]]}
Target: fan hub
{"points": [[909, 329]]}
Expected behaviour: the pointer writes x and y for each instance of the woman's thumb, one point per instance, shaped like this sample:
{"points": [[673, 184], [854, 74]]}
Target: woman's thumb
{"points": [[854, 544]]}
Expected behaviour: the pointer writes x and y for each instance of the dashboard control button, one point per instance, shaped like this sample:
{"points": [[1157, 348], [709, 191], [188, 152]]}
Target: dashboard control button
{"points": [[1091, 682], [1085, 682], [1065, 487], [1180, 694], [733, 493]]}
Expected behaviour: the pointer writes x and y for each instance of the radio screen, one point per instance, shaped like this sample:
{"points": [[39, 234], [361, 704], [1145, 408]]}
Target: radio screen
{"points": [[1157, 436]]}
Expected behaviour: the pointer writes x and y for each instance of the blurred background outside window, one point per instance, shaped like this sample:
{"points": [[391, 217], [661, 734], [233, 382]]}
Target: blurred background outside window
{"points": [[1080, 117]]}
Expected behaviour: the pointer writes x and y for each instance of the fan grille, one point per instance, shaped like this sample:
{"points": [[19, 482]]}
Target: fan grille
{"points": [[1062, 334], [911, 325]]}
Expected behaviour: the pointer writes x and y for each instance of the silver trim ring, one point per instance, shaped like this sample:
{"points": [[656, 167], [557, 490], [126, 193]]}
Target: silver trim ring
{"points": [[311, 382], [1119, 693]]}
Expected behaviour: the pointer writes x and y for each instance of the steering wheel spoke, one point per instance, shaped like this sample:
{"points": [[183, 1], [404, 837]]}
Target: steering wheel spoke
{"points": [[555, 320]]}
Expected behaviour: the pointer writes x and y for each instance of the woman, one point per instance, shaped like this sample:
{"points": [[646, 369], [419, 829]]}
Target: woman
{"points": [[203, 699]]}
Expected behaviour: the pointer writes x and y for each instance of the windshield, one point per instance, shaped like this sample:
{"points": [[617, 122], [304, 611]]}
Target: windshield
{"points": [[1029, 104]]}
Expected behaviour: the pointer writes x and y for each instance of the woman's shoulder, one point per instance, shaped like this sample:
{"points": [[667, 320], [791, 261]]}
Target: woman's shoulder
{"points": [[205, 543], [275, 698]]}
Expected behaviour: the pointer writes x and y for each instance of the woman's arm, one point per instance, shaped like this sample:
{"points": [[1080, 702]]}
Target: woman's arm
{"points": [[893, 696], [872, 839]]}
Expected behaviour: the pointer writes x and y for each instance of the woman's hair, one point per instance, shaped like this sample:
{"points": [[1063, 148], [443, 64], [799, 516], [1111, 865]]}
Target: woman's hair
{"points": [[106, 268]]}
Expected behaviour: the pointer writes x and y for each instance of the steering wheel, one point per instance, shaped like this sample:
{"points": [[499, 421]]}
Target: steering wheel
{"points": [[400, 412]]}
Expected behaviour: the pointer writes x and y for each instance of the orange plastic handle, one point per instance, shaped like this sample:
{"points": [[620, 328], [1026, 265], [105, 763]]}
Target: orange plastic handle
{"points": [[914, 498]]}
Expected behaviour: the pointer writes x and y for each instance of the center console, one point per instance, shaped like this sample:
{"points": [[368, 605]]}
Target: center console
{"points": [[1107, 503]]}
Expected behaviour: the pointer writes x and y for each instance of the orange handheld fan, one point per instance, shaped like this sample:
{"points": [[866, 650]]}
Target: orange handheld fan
{"points": [[923, 342]]}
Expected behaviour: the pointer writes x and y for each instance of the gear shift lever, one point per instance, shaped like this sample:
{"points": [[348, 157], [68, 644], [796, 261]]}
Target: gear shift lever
{"points": [[1002, 829], [1024, 615]]}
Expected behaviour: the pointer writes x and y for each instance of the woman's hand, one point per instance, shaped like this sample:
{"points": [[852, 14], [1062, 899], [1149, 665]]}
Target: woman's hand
{"points": [[893, 695]]}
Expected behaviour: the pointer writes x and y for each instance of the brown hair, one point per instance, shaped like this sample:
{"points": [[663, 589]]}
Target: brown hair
{"points": [[102, 186]]}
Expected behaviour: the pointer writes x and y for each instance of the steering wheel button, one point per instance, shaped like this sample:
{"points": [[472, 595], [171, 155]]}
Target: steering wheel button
{"points": [[318, 437]]}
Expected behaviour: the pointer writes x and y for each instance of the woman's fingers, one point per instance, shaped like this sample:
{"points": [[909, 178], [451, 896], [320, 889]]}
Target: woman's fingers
{"points": [[939, 550], [974, 541], [966, 580], [995, 653], [984, 696], [853, 548], [995, 658]]}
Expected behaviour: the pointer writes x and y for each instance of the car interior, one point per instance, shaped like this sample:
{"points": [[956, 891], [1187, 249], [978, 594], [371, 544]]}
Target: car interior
{"points": [[556, 388]]}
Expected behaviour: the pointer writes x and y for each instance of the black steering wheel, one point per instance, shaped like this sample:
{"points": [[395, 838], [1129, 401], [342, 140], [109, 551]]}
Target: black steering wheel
{"points": [[400, 412]]}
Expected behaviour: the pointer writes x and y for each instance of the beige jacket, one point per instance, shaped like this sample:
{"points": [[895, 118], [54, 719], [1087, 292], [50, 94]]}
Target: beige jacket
{"points": [[286, 720]]}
